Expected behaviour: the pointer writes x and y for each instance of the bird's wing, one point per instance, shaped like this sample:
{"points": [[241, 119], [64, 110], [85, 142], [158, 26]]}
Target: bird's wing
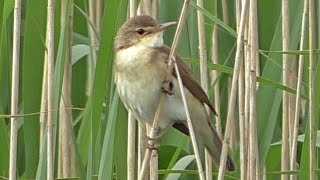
{"points": [[188, 79]]}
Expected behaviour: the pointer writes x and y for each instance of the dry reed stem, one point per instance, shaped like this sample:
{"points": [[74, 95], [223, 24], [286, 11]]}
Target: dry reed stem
{"points": [[133, 8], [142, 144], [215, 80], [247, 101], [285, 154], [154, 165], [243, 110], [154, 129], [15, 90], [231, 106], [93, 39], [225, 13], [312, 123], [203, 75], [154, 8], [66, 163], [214, 76], [131, 120], [50, 49], [98, 14], [253, 47], [243, 150], [131, 147], [153, 168], [299, 86], [94, 43], [144, 7], [225, 18]]}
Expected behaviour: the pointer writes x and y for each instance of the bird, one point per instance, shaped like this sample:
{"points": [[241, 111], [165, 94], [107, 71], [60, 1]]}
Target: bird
{"points": [[140, 69]]}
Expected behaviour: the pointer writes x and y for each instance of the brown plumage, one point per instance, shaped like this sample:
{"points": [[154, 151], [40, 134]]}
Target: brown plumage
{"points": [[140, 69]]}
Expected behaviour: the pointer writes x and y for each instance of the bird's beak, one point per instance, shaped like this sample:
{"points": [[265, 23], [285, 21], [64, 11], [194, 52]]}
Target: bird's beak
{"points": [[164, 26]]}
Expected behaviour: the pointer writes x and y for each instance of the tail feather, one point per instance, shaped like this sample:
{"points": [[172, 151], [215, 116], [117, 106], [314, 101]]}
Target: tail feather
{"points": [[230, 164], [212, 143]]}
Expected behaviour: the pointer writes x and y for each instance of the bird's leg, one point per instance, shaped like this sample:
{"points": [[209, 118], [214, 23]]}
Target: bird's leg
{"points": [[167, 86]]}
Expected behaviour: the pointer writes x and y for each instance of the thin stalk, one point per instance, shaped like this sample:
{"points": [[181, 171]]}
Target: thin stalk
{"points": [[15, 91], [154, 129], [142, 144], [154, 165], [131, 146], [285, 151], [254, 164], [133, 8], [215, 81], [238, 13], [153, 168], [299, 83], [98, 14], [254, 157], [94, 41], [232, 100], [154, 8], [131, 121], [66, 167], [312, 119], [203, 74], [243, 106], [243, 149], [247, 101], [225, 13], [144, 8], [50, 49], [214, 75]]}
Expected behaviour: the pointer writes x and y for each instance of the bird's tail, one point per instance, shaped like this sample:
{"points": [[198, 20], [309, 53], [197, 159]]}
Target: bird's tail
{"points": [[210, 139], [215, 153]]}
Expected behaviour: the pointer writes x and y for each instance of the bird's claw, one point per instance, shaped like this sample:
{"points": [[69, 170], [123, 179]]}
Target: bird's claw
{"points": [[152, 139], [167, 87], [152, 146], [152, 143]]}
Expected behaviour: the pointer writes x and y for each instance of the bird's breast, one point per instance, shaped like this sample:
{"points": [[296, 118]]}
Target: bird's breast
{"points": [[139, 82]]}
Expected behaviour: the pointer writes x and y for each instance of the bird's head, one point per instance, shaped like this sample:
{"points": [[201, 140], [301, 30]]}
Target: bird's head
{"points": [[141, 30]]}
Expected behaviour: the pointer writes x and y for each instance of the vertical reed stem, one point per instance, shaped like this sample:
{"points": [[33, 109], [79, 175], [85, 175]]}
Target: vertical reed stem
{"points": [[15, 91], [312, 120], [232, 100], [285, 154], [299, 83], [50, 48]]}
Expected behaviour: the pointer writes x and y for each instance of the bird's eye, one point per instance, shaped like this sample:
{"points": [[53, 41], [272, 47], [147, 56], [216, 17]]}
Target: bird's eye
{"points": [[140, 31]]}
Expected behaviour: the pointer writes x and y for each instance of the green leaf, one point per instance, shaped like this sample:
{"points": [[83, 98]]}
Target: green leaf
{"points": [[79, 51], [267, 111], [182, 164], [32, 70], [102, 78], [106, 165]]}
